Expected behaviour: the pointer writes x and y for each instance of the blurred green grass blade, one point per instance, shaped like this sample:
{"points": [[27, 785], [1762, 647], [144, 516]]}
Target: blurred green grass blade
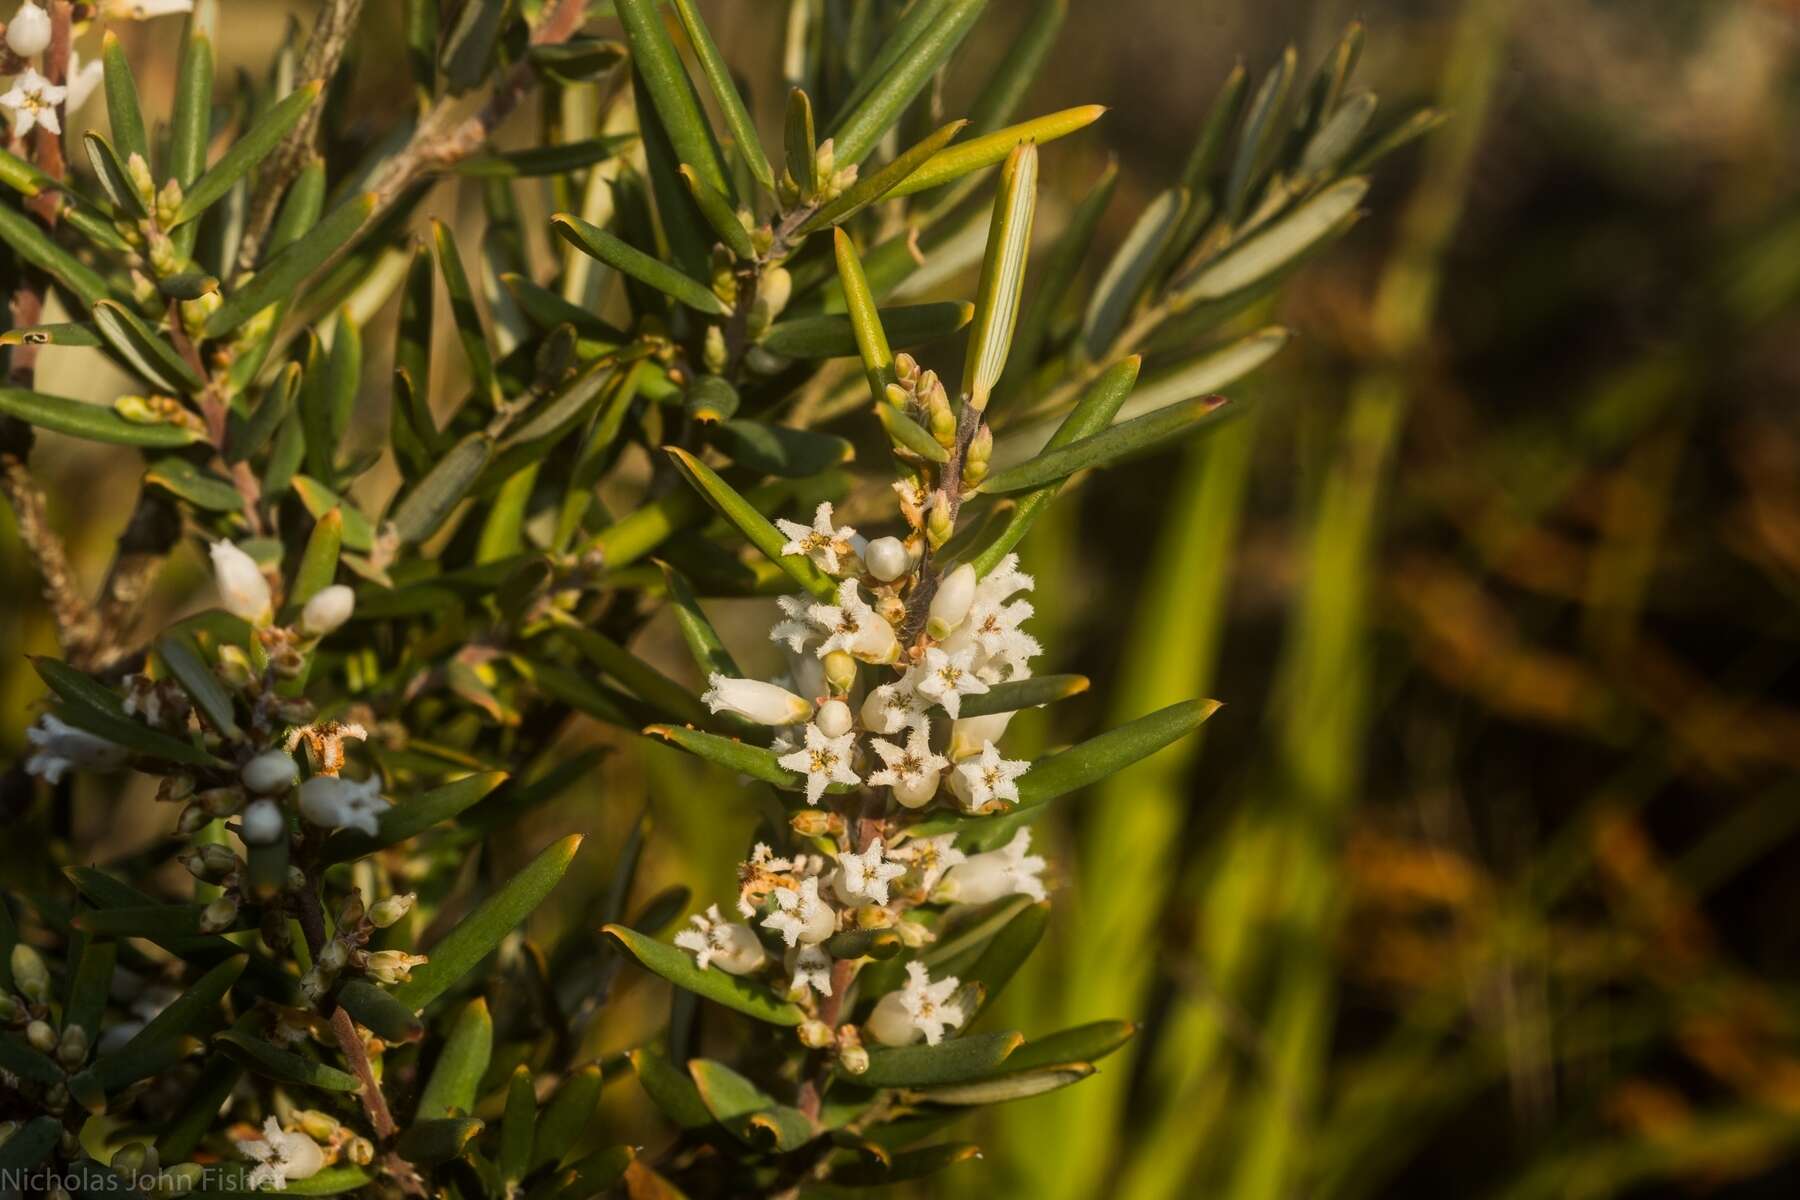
{"points": [[450, 1090], [755, 527], [247, 150], [658, 64], [1025, 57], [678, 967], [731, 105], [628, 260], [1002, 280], [477, 934], [980, 153], [870, 116]]}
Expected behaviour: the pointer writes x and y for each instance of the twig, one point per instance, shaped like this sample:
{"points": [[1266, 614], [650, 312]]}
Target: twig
{"points": [[373, 1102], [918, 603], [324, 49]]}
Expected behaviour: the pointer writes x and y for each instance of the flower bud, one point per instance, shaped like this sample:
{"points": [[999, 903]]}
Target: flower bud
{"points": [[329, 608], [221, 801], [938, 526], [840, 672], [316, 1125], [816, 822], [262, 824], [754, 700], [219, 916], [906, 367], [887, 559], [916, 791], [181, 1178], [28, 33], [715, 356], [389, 909], [897, 396], [361, 1151], [834, 719], [11, 1011], [969, 734], [950, 603], [168, 202], [210, 863], [772, 294], [242, 587], [270, 773], [333, 956], [393, 966], [72, 1049], [30, 975], [235, 668], [41, 1037], [194, 312], [978, 455], [815, 1034], [851, 1054], [193, 819]]}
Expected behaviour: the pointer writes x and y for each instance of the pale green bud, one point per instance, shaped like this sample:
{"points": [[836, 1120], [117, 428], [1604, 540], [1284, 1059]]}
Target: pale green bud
{"points": [[389, 909], [840, 672], [72, 1050], [713, 353], [219, 916], [41, 1036], [30, 975], [938, 526], [168, 201]]}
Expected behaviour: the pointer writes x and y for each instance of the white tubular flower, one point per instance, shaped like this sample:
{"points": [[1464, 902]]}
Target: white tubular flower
{"points": [[930, 857], [806, 672], [825, 546], [893, 706], [834, 719], [801, 918], [344, 803], [754, 700], [329, 608], [28, 33], [887, 559], [864, 878], [271, 772], [392, 966], [984, 877], [920, 1009], [143, 10], [262, 823], [796, 628], [947, 678], [811, 969], [913, 770], [280, 1156], [823, 760], [730, 945], [83, 78], [32, 101], [980, 781], [58, 746], [971, 735], [855, 628], [242, 587], [950, 603]]}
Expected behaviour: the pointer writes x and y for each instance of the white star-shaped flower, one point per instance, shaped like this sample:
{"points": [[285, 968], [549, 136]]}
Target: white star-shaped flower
{"points": [[826, 546], [930, 857], [339, 803], [947, 678], [800, 917], [32, 101], [823, 760], [713, 939], [893, 706], [855, 628], [1003, 872], [921, 1007], [795, 628], [58, 746], [811, 968], [864, 878], [280, 1156], [980, 781], [912, 770]]}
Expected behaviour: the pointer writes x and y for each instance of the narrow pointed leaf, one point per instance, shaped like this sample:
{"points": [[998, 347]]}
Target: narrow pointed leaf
{"points": [[517, 1126], [556, 159], [908, 434], [94, 422], [907, 1165], [110, 170], [719, 213], [1335, 140], [658, 65], [1007, 951], [671, 1089], [450, 1091], [319, 561], [950, 1061], [67, 333], [1128, 273], [703, 641], [858, 131], [731, 105], [628, 260], [638, 676], [755, 527], [780, 449], [1262, 254], [758, 762], [198, 681], [144, 351], [371, 1006], [678, 967], [122, 111], [1090, 761], [1209, 372], [284, 1065], [191, 124], [980, 153], [1259, 133], [436, 1140], [284, 272], [447, 484], [1008, 1087], [865, 319], [566, 1116], [800, 142], [411, 817], [1140, 435], [1015, 694], [476, 935], [1002, 276], [883, 183], [1084, 1043], [34, 246], [464, 312], [255, 144], [837, 335]]}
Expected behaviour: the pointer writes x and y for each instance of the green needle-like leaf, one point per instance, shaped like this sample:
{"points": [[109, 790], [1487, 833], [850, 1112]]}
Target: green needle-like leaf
{"points": [[476, 935], [1002, 276], [678, 967], [731, 105], [703, 641], [865, 318], [115, 181], [950, 1061], [94, 422], [719, 213], [749, 520], [1093, 760], [517, 1126], [1083, 1043], [861, 127], [1263, 254], [1010, 1086], [840, 335], [386, 1017], [143, 351], [658, 64], [122, 111], [879, 185], [1138, 436], [278, 278], [450, 1091], [980, 153], [196, 678], [801, 143], [566, 1116], [1129, 272], [284, 1065], [34, 246], [1015, 694], [445, 486], [436, 1140], [758, 762], [412, 816], [252, 147], [628, 260]]}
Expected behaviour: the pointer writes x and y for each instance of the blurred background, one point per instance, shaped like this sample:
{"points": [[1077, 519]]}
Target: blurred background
{"points": [[1484, 880]]}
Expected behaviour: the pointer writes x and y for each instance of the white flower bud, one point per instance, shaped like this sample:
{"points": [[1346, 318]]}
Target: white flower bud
{"points": [[840, 671], [329, 608], [731, 946], [833, 718], [242, 588], [950, 604], [920, 1009], [969, 736], [887, 559], [262, 824], [389, 909], [270, 773], [984, 877], [916, 791], [754, 700], [28, 33]]}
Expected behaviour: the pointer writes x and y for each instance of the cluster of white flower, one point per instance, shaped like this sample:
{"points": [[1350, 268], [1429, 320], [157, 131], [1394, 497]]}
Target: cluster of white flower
{"points": [[908, 737], [32, 100]]}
